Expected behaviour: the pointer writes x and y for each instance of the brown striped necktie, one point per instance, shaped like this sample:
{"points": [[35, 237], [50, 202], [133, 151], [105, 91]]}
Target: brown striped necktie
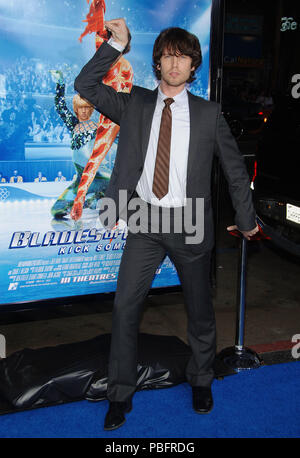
{"points": [[161, 172]]}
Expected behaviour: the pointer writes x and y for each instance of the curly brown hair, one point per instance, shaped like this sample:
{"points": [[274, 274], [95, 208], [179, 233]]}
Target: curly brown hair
{"points": [[177, 41]]}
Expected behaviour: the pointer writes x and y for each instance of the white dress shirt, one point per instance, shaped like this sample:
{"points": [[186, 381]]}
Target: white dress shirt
{"points": [[178, 153], [115, 45]]}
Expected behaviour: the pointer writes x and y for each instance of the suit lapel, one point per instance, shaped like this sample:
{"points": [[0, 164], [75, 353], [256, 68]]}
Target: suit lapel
{"points": [[194, 128], [148, 112]]}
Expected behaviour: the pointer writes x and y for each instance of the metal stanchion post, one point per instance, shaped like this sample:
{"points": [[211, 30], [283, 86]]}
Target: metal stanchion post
{"points": [[239, 357]]}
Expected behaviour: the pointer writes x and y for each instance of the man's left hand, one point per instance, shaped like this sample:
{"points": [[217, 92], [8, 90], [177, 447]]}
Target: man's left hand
{"points": [[246, 234]]}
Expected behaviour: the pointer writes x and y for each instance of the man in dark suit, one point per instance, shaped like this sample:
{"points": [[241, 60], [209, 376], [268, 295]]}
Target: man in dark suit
{"points": [[168, 138]]}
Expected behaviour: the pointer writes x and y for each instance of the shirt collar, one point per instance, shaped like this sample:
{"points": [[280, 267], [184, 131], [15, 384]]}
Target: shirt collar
{"points": [[180, 98]]}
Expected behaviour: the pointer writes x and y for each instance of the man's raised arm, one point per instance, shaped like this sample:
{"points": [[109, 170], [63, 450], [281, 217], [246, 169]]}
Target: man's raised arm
{"points": [[89, 81]]}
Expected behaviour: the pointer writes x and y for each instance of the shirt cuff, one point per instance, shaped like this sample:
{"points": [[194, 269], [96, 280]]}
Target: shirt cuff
{"points": [[116, 45]]}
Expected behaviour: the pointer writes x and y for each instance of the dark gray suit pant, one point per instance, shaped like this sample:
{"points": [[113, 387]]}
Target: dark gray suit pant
{"points": [[142, 255]]}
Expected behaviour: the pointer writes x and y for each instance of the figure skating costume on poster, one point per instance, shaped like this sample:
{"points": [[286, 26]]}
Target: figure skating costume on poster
{"points": [[83, 134], [90, 182]]}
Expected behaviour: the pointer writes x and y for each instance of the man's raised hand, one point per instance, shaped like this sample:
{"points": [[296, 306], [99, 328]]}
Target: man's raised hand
{"points": [[119, 30]]}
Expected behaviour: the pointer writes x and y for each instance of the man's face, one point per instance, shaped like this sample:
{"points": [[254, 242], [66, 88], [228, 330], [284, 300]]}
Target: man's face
{"points": [[175, 68]]}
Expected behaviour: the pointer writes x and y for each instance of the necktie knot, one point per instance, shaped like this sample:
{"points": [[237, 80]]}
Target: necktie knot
{"points": [[168, 101]]}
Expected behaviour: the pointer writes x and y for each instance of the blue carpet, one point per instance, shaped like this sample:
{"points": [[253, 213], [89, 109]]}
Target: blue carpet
{"points": [[263, 402]]}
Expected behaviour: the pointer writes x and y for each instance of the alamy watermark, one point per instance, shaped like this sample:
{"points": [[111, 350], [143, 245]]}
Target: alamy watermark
{"points": [[296, 89], [144, 217], [2, 346], [296, 348]]}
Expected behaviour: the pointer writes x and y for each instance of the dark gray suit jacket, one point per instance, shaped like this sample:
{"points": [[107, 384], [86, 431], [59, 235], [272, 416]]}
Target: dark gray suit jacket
{"points": [[209, 135]]}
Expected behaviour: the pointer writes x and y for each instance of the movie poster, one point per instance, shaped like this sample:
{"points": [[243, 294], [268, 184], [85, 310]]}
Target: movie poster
{"points": [[52, 173]]}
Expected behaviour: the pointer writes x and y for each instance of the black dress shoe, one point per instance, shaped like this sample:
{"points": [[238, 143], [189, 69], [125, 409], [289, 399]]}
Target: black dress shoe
{"points": [[115, 416], [202, 399]]}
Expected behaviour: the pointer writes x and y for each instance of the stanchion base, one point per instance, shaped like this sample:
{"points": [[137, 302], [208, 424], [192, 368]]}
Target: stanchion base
{"points": [[240, 358]]}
